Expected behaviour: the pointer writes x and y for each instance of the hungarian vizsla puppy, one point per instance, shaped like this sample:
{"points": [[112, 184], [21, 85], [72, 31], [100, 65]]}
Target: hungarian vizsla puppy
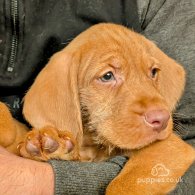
{"points": [[110, 92]]}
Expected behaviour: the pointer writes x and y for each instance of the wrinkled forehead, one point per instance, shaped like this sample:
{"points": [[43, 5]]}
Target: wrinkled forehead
{"points": [[120, 48], [108, 45], [117, 41]]}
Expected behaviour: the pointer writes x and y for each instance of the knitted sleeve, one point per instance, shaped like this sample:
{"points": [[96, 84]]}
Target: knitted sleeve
{"points": [[85, 178]]}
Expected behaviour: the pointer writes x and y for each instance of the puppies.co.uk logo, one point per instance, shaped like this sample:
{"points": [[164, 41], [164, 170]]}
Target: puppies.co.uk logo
{"points": [[160, 170], [159, 174]]}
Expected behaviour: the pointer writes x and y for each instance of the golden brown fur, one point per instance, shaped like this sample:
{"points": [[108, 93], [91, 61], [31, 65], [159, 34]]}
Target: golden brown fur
{"points": [[106, 118], [11, 131]]}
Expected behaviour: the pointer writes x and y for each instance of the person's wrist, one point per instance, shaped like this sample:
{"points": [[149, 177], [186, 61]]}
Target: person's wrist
{"points": [[41, 177], [23, 176]]}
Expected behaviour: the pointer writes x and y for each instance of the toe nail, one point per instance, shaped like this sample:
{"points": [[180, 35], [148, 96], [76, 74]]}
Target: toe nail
{"points": [[19, 145]]}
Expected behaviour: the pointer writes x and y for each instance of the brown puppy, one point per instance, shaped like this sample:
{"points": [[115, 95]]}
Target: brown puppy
{"points": [[110, 91], [109, 87]]}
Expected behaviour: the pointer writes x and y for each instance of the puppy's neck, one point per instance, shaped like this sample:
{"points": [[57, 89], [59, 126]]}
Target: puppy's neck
{"points": [[97, 149]]}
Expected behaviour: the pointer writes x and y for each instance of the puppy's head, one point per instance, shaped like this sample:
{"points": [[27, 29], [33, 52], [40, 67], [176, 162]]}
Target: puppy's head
{"points": [[125, 86]]}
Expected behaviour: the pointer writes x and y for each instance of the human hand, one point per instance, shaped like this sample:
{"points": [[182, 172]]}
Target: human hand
{"points": [[23, 176]]}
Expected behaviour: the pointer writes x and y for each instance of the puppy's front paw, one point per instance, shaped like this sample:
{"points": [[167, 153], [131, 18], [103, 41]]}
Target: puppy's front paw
{"points": [[49, 143]]}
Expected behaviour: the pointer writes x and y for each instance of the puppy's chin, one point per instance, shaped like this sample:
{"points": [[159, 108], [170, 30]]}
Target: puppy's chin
{"points": [[136, 140], [149, 140]]}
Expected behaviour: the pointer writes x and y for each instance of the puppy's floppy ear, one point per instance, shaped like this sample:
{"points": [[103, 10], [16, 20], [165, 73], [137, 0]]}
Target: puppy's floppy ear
{"points": [[171, 77], [53, 99]]}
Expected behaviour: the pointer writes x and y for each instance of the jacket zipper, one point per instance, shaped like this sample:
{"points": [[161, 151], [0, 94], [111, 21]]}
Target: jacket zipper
{"points": [[14, 35]]}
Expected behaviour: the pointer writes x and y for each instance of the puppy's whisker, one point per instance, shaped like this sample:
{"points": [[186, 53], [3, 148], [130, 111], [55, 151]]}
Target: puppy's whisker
{"points": [[179, 115], [179, 128]]}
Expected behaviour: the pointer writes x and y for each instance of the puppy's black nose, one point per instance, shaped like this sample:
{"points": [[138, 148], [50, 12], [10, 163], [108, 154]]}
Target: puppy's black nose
{"points": [[157, 119]]}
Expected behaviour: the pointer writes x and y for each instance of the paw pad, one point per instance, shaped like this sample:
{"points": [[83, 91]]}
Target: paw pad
{"points": [[48, 143]]}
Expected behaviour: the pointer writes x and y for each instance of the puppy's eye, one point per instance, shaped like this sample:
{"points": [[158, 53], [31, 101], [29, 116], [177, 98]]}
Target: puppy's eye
{"points": [[107, 77], [154, 72]]}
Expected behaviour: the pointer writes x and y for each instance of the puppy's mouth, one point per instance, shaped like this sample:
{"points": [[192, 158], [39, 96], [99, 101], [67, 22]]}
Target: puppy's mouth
{"points": [[128, 138], [155, 125], [133, 138], [147, 140]]}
